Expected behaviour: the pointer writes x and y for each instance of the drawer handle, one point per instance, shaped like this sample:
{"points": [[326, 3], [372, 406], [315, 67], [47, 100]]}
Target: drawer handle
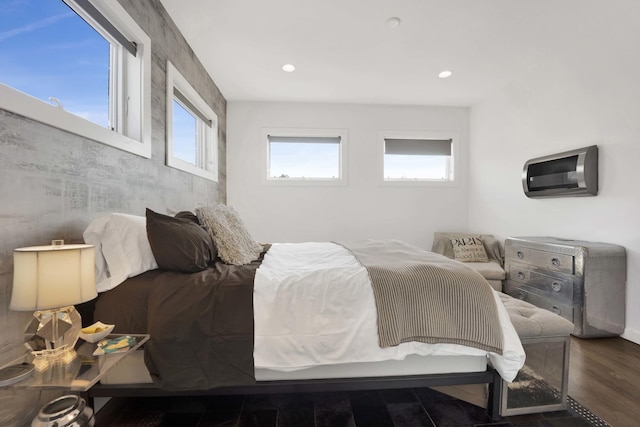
{"points": [[520, 254], [522, 296], [555, 262], [556, 286], [520, 275], [555, 309]]}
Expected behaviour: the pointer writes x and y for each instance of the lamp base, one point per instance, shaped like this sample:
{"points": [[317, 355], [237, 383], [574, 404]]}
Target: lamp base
{"points": [[52, 335]]}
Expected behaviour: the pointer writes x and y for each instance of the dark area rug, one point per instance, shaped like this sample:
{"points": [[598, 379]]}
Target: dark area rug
{"points": [[394, 408]]}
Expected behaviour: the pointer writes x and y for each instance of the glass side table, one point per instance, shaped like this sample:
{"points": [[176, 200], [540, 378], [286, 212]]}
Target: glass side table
{"points": [[82, 372]]}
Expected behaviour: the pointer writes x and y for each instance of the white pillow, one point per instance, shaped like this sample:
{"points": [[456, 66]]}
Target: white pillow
{"points": [[122, 248]]}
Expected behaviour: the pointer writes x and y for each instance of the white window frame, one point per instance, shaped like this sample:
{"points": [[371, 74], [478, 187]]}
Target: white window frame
{"points": [[417, 134], [207, 136], [306, 132], [132, 130]]}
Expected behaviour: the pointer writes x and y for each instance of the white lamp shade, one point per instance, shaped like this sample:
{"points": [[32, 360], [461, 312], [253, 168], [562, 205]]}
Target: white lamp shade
{"points": [[46, 277]]}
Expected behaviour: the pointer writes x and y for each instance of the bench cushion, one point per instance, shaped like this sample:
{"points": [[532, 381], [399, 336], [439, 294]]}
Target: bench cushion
{"points": [[531, 321], [489, 270]]}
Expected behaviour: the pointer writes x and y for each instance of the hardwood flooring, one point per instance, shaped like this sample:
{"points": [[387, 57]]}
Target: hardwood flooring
{"points": [[604, 376]]}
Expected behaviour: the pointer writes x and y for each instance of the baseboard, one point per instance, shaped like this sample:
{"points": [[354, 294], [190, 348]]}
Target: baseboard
{"points": [[631, 335]]}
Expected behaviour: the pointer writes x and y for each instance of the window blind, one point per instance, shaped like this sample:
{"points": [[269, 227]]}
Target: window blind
{"points": [[183, 99], [104, 23], [418, 147], [305, 139]]}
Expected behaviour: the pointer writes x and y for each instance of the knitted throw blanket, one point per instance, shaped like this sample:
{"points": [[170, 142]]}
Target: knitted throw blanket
{"points": [[426, 297]]}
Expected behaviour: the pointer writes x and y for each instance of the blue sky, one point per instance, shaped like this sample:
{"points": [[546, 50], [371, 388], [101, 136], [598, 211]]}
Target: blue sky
{"points": [[46, 50], [308, 160]]}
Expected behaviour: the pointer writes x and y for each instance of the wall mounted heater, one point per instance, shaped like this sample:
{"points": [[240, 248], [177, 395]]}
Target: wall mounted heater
{"points": [[572, 173]]}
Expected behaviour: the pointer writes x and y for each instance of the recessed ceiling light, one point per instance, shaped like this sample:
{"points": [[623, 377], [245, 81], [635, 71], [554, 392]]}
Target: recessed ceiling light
{"points": [[288, 68], [393, 22], [444, 74]]}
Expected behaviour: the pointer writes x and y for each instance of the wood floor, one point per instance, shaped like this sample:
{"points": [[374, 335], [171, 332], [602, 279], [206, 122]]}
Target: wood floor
{"points": [[604, 376]]}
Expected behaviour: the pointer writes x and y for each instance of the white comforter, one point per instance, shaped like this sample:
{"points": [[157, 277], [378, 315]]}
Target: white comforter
{"points": [[314, 305]]}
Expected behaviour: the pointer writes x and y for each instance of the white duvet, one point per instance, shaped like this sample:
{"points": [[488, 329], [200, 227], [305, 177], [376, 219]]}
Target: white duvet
{"points": [[314, 305]]}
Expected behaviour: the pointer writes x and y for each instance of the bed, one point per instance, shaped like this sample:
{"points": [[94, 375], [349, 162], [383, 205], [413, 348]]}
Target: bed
{"points": [[303, 316]]}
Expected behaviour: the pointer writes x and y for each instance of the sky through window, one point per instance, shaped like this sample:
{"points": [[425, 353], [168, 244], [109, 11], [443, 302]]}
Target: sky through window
{"points": [[48, 51]]}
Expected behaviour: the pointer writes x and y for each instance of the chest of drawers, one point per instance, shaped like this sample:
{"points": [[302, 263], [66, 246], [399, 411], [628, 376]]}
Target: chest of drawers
{"points": [[584, 282]]}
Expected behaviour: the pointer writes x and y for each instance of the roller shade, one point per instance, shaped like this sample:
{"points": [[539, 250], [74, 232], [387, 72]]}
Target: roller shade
{"points": [[305, 139], [104, 23], [183, 99], [418, 147]]}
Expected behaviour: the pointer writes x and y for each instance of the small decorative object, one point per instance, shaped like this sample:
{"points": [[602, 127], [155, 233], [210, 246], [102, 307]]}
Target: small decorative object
{"points": [[65, 411], [96, 332], [49, 280], [115, 345]]}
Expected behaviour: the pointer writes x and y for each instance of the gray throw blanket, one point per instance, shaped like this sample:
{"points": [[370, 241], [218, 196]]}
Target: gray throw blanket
{"points": [[426, 297]]}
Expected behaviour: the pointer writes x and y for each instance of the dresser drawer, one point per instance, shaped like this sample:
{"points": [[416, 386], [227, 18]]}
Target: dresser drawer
{"points": [[525, 294], [556, 287], [551, 261]]}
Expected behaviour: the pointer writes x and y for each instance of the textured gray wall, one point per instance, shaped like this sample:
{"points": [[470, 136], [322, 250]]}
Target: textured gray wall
{"points": [[52, 183]]}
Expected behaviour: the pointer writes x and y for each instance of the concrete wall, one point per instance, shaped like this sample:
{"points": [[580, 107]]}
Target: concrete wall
{"points": [[365, 207], [52, 183], [590, 96]]}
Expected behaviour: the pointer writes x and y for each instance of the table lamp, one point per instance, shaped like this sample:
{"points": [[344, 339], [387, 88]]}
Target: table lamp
{"points": [[49, 280]]}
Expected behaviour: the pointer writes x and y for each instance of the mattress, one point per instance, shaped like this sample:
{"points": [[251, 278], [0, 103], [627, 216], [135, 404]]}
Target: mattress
{"points": [[132, 370]]}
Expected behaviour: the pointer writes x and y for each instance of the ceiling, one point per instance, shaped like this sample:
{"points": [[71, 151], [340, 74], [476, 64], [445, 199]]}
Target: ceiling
{"points": [[345, 52]]}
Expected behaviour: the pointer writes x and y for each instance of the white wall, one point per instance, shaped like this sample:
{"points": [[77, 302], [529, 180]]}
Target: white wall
{"points": [[363, 208], [590, 96]]}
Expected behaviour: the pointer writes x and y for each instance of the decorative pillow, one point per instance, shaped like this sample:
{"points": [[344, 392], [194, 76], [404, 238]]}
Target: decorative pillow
{"points": [[469, 249], [122, 248], [231, 237], [188, 215], [179, 244], [492, 246]]}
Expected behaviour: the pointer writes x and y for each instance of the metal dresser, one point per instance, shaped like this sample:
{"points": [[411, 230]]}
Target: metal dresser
{"points": [[583, 282]]}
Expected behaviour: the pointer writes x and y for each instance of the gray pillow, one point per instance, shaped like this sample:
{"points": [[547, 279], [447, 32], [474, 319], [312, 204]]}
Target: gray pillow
{"points": [[231, 237]]}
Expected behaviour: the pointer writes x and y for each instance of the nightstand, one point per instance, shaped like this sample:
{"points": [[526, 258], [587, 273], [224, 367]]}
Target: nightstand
{"points": [[83, 372]]}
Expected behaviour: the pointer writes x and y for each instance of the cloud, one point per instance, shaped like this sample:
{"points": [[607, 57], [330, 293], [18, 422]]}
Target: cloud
{"points": [[33, 26]]}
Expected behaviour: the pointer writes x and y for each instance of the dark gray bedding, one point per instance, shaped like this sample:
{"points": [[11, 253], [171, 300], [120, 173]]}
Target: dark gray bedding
{"points": [[201, 324]]}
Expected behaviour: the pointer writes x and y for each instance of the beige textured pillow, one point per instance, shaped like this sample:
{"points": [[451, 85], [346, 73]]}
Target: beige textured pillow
{"points": [[233, 240], [469, 249]]}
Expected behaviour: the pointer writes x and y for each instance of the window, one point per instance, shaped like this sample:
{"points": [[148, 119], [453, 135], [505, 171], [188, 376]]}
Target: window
{"points": [[83, 67], [192, 129], [305, 156], [418, 157]]}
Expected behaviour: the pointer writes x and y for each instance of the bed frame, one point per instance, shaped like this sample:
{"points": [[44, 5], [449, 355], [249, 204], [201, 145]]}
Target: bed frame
{"points": [[490, 377]]}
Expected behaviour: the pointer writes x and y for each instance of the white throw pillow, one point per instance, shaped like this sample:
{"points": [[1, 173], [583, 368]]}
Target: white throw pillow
{"points": [[231, 237], [122, 248], [469, 249]]}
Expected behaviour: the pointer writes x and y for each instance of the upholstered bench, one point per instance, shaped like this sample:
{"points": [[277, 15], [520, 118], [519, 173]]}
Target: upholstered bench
{"points": [[542, 383]]}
